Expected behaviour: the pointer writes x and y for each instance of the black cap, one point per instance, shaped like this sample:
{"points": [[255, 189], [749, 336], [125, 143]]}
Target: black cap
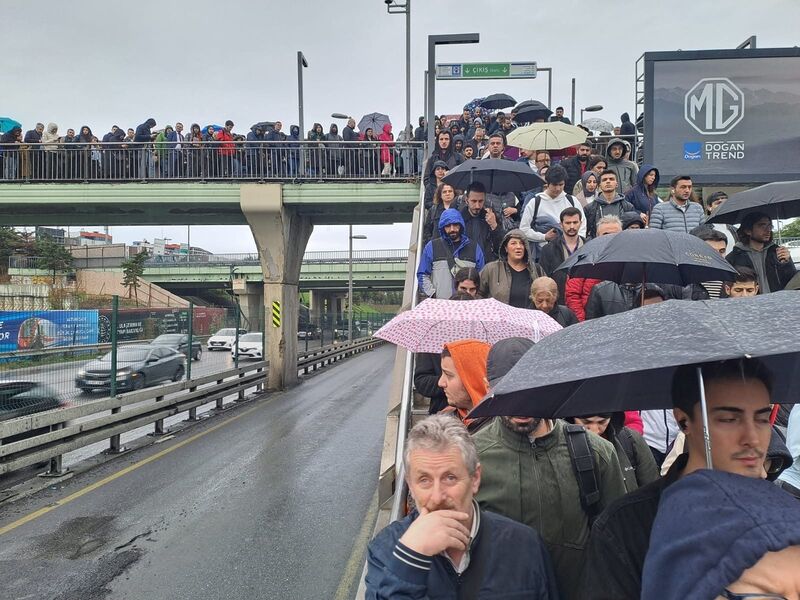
{"points": [[504, 355]]}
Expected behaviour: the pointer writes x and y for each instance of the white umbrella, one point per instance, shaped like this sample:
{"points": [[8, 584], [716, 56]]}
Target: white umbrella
{"points": [[554, 135]]}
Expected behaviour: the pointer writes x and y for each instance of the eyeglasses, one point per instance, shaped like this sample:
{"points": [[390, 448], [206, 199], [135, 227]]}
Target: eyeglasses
{"points": [[734, 596]]}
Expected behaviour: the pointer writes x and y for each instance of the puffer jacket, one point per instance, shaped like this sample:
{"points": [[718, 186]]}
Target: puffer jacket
{"points": [[534, 483], [626, 170], [576, 294], [670, 215], [496, 275], [440, 259]]}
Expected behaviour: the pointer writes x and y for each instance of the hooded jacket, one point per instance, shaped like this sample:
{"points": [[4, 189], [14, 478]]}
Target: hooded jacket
{"points": [[711, 526], [469, 358], [626, 170], [50, 137], [601, 207], [441, 259], [533, 482], [642, 469], [449, 156], [773, 275], [638, 195], [294, 133], [142, 132], [32, 137], [496, 276], [386, 148]]}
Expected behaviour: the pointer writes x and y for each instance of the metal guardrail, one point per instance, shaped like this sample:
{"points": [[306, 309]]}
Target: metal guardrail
{"points": [[68, 429], [206, 160]]}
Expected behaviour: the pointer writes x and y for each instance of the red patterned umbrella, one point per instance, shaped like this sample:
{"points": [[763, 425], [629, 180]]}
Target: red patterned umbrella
{"points": [[434, 322]]}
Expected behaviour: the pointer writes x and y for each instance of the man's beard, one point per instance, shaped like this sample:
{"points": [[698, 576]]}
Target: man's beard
{"points": [[522, 428]]}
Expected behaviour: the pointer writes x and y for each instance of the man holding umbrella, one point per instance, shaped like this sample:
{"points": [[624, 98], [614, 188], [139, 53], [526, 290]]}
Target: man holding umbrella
{"points": [[756, 250]]}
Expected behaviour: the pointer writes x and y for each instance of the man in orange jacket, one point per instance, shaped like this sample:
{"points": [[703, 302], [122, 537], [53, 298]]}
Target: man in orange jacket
{"points": [[464, 377]]}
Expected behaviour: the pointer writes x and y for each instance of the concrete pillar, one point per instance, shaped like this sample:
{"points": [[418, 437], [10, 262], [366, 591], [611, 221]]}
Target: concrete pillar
{"points": [[316, 306], [281, 236], [251, 301]]}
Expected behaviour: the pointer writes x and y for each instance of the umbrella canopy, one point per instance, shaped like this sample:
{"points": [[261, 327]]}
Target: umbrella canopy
{"points": [[497, 101], [7, 124], [649, 255], [779, 200], [204, 131], [588, 368], [433, 323], [263, 126], [496, 174], [374, 121], [546, 136], [597, 124], [530, 110]]}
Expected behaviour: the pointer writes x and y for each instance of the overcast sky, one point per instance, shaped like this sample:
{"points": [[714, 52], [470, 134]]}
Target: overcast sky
{"points": [[101, 62]]}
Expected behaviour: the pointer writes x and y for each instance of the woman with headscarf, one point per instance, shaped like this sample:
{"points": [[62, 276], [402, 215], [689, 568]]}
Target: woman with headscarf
{"points": [[51, 145], [589, 184]]}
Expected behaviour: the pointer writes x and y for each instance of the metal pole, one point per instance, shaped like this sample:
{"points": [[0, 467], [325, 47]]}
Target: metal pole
{"points": [[115, 441], [350, 287], [704, 408], [572, 111], [549, 87], [408, 63], [189, 340], [431, 93], [236, 338], [425, 101], [301, 61]]}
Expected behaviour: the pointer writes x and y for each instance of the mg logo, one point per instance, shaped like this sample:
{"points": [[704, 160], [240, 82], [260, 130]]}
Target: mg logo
{"points": [[714, 106]]}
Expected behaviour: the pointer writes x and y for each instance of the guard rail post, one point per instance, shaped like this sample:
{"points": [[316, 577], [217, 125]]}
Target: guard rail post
{"points": [[159, 424], [115, 446], [56, 464], [219, 400]]}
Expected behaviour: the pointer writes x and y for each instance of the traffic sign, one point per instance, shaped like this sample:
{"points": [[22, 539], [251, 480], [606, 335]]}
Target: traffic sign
{"points": [[502, 70]]}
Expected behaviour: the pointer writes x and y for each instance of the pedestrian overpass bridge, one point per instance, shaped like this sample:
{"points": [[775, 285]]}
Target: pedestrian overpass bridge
{"points": [[281, 216]]}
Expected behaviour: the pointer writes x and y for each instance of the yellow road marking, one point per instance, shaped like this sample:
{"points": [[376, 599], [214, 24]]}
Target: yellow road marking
{"points": [[98, 484], [355, 566]]}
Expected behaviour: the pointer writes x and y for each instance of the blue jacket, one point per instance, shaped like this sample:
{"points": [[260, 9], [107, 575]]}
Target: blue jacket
{"points": [[435, 274], [668, 215], [142, 132], [637, 195], [710, 527], [512, 562]]}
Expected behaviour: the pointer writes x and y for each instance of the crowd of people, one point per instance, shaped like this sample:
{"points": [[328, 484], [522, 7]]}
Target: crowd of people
{"points": [[597, 506], [209, 152]]}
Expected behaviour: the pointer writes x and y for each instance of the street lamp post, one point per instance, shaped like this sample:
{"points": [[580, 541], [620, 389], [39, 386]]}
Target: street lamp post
{"points": [[301, 64], [396, 8], [592, 108], [433, 41], [351, 237]]}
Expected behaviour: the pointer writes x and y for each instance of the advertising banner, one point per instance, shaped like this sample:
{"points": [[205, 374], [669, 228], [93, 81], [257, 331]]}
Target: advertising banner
{"points": [[35, 330], [724, 116]]}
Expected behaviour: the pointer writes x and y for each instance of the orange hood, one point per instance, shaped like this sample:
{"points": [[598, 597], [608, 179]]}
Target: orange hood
{"points": [[469, 358]]}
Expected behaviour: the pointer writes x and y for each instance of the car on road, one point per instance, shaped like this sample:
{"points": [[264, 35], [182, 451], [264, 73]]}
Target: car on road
{"points": [[340, 333], [251, 345], [179, 342], [23, 397], [311, 332], [138, 365], [223, 339]]}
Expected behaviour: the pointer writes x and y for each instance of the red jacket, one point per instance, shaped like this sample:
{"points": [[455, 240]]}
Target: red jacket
{"points": [[633, 420], [386, 150], [576, 294], [227, 148]]}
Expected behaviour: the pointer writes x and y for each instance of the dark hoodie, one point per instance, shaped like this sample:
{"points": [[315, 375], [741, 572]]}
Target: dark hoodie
{"points": [[638, 194], [449, 156], [441, 258], [627, 132], [601, 207], [294, 133], [142, 133], [625, 170], [333, 134], [712, 526], [497, 277]]}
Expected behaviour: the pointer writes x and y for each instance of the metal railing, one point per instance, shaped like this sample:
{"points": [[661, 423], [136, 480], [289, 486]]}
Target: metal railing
{"points": [[211, 161], [48, 435]]}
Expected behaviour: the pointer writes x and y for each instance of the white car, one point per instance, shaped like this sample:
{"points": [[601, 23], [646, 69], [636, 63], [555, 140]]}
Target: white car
{"points": [[251, 345], [223, 339]]}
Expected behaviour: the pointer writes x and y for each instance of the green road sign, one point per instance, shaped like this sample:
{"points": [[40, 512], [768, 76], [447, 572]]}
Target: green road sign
{"points": [[504, 70]]}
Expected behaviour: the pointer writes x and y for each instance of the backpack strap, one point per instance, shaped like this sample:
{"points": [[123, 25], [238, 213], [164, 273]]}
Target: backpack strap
{"points": [[584, 467], [536, 202], [625, 438], [571, 200]]}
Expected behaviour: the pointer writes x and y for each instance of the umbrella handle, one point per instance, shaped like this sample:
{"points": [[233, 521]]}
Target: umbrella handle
{"points": [[704, 409]]}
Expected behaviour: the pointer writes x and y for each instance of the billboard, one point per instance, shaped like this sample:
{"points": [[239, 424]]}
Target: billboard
{"points": [[34, 330], [724, 116]]}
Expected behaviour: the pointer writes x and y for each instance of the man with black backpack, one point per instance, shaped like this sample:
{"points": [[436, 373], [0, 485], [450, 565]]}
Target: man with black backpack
{"points": [[547, 474]]}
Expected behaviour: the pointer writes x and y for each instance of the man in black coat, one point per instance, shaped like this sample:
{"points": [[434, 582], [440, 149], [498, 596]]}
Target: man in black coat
{"points": [[577, 165], [756, 250]]}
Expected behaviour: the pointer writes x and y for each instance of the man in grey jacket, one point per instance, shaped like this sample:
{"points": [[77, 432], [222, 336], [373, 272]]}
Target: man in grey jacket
{"points": [[626, 170], [678, 213]]}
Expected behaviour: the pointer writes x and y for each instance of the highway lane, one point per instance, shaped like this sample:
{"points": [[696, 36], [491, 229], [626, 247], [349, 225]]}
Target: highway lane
{"points": [[267, 505]]}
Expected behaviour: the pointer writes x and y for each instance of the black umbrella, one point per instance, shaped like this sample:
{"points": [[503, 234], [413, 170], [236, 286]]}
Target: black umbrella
{"points": [[595, 367], [779, 200], [497, 101], [496, 174], [530, 110], [264, 126], [649, 255]]}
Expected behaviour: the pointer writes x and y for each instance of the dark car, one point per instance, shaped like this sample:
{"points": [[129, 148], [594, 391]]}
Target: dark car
{"points": [[138, 366], [179, 342], [19, 398]]}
